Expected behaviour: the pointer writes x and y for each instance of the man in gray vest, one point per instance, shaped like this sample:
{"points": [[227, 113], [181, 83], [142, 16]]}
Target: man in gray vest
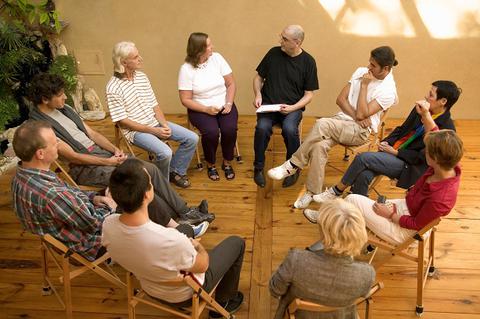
{"points": [[92, 156]]}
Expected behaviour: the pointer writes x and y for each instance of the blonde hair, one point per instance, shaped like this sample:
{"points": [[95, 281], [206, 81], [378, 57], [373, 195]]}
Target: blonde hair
{"points": [[342, 228], [120, 52], [445, 147]]}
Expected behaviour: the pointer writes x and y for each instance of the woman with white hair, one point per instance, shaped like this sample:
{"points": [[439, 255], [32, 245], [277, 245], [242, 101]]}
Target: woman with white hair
{"points": [[325, 272]]}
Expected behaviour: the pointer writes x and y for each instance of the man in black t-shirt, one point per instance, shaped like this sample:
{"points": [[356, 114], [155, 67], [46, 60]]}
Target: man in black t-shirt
{"points": [[287, 75]]}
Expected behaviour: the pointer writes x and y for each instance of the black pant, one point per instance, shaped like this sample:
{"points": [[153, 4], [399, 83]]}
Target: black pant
{"points": [[263, 131], [225, 265]]}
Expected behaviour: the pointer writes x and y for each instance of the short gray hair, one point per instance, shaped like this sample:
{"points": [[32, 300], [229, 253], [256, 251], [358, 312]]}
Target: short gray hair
{"points": [[342, 228], [296, 31], [120, 52]]}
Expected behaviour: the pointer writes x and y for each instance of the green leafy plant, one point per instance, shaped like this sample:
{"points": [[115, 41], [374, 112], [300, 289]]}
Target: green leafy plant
{"points": [[25, 27], [64, 66]]}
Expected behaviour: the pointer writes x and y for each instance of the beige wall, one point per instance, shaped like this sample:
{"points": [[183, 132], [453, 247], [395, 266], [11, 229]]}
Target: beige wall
{"points": [[243, 30]]}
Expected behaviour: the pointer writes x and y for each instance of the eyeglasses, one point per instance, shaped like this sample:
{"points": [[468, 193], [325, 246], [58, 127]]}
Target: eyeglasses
{"points": [[284, 38]]}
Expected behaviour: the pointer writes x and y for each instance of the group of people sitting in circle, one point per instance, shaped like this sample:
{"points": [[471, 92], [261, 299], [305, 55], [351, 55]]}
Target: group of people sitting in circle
{"points": [[151, 231]]}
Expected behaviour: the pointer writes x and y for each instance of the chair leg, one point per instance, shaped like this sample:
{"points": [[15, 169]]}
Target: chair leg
{"points": [[195, 306], [431, 269], [46, 289], [346, 157], [131, 307], [420, 277], [67, 287], [237, 150]]}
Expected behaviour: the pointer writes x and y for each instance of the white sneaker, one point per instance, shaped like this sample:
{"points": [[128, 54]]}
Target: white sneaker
{"points": [[304, 201], [200, 229], [328, 194], [282, 171], [311, 215]]}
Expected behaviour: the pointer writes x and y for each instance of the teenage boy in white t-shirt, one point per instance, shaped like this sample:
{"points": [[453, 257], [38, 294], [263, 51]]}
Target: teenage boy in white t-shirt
{"points": [[155, 253], [370, 91]]}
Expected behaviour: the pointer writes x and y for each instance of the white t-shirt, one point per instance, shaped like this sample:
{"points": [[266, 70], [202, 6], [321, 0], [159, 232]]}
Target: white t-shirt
{"points": [[133, 100], [206, 82], [383, 91], [153, 253]]}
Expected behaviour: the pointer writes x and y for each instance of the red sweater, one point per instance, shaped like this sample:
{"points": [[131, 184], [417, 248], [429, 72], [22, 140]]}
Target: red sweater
{"points": [[428, 201]]}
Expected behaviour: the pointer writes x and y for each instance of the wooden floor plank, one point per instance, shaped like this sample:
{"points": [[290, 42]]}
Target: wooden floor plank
{"points": [[271, 226]]}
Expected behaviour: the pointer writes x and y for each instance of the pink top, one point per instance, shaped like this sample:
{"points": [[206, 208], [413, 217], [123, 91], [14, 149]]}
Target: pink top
{"points": [[428, 201]]}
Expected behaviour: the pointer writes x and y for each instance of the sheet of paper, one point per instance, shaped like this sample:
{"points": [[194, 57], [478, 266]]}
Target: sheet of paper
{"points": [[269, 108]]}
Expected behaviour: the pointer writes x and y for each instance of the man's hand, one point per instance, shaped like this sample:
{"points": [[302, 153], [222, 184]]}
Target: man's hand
{"points": [[212, 110], [118, 152], [285, 109], [163, 132], [115, 160], [257, 102], [366, 123], [196, 244], [367, 78], [385, 147], [422, 107], [104, 201]]}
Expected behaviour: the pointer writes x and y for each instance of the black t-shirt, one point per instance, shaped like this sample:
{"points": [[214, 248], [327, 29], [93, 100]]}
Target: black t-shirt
{"points": [[287, 78]]}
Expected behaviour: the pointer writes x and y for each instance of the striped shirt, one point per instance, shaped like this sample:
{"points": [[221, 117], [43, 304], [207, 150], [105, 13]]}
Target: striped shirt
{"points": [[47, 205], [133, 100]]}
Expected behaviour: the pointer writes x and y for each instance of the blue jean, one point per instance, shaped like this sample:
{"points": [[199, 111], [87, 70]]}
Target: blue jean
{"points": [[263, 131], [165, 159], [367, 165]]}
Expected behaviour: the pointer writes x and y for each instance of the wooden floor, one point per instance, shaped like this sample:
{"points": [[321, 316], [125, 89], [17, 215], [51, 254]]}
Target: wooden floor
{"points": [[270, 226]]}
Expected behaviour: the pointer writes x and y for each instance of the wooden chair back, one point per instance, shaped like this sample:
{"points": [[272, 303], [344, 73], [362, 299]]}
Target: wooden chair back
{"points": [[71, 265], [201, 299], [299, 304]]}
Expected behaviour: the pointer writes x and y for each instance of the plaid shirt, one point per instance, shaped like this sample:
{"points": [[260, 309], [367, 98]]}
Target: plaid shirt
{"points": [[47, 205]]}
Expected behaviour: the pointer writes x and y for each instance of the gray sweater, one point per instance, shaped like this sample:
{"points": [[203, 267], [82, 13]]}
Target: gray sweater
{"points": [[323, 278]]}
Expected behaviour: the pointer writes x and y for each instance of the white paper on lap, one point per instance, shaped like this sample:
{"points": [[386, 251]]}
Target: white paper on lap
{"points": [[269, 108]]}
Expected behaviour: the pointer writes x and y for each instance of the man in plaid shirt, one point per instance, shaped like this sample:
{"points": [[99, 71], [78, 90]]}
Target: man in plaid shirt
{"points": [[47, 205]]}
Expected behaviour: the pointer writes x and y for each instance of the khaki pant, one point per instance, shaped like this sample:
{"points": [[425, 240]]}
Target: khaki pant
{"points": [[326, 133]]}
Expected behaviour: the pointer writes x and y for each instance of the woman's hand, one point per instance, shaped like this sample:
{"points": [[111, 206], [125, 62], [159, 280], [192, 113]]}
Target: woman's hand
{"points": [[211, 110], [227, 108], [384, 210]]}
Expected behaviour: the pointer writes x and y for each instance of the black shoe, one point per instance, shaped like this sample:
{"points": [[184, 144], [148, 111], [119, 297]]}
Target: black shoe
{"points": [[194, 217], [231, 306], [203, 207], [258, 177], [290, 180]]}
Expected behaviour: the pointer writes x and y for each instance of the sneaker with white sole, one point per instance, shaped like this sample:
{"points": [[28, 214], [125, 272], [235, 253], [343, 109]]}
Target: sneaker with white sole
{"points": [[200, 229], [328, 194], [282, 171], [304, 201], [311, 215]]}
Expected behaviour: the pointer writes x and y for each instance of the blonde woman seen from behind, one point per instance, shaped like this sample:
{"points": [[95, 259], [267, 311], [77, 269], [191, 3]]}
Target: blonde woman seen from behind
{"points": [[325, 272]]}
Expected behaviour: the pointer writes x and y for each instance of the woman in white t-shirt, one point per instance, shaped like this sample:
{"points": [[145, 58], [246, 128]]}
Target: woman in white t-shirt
{"points": [[207, 89]]}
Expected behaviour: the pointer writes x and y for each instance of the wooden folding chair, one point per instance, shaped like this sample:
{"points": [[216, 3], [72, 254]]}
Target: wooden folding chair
{"points": [[65, 259], [299, 304], [425, 262], [120, 140], [374, 139], [200, 300], [62, 172], [237, 156]]}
